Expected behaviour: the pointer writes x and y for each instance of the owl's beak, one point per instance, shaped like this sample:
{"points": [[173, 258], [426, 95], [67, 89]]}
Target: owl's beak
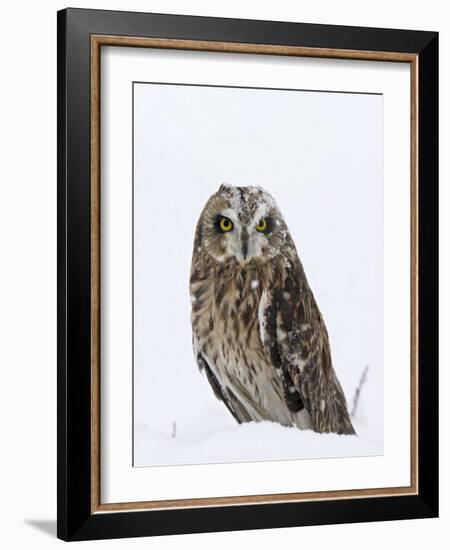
{"points": [[244, 237]]}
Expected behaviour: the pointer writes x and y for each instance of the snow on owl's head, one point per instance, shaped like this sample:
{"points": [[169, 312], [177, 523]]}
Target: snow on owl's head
{"points": [[242, 223]]}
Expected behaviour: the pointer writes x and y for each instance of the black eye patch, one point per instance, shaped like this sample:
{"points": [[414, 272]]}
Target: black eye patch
{"points": [[223, 224], [265, 225]]}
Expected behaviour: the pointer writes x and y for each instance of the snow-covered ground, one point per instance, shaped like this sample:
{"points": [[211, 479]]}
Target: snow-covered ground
{"points": [[186, 424], [246, 442], [320, 156]]}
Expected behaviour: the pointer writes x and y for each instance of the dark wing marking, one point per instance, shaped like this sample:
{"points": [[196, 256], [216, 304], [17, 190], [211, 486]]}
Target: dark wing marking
{"points": [[223, 394], [268, 331], [295, 336]]}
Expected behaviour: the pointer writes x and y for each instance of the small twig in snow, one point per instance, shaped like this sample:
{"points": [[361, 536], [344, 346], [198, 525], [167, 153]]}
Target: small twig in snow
{"points": [[174, 429], [358, 390]]}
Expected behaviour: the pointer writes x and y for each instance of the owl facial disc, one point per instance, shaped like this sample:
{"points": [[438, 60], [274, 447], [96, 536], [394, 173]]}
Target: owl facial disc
{"points": [[241, 223]]}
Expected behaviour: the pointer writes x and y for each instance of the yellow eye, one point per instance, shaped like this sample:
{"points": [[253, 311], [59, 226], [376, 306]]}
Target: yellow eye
{"points": [[261, 226], [225, 225]]}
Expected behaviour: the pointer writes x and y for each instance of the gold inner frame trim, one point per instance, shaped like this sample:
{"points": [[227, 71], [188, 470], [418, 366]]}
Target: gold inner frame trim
{"points": [[243, 48]]}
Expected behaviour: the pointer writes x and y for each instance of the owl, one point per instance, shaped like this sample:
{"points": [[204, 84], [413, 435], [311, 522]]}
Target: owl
{"points": [[258, 334]]}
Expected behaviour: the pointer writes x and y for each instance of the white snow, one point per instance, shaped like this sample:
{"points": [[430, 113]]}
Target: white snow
{"points": [[245, 442], [254, 284]]}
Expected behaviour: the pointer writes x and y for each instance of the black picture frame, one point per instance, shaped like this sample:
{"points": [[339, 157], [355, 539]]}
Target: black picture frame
{"points": [[76, 521]]}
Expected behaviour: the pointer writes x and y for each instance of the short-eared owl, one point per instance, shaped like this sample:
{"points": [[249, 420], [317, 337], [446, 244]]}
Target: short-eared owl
{"points": [[258, 334]]}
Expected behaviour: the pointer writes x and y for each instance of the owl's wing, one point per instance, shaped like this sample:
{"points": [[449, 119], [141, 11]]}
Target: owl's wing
{"points": [[294, 334], [223, 394]]}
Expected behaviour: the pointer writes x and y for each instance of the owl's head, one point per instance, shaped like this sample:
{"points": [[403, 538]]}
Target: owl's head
{"points": [[242, 223]]}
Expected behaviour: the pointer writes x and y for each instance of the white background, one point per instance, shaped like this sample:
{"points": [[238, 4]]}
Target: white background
{"points": [[320, 155], [28, 276]]}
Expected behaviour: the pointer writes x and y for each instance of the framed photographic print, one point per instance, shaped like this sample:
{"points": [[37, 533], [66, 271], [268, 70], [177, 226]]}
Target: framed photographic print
{"points": [[247, 270]]}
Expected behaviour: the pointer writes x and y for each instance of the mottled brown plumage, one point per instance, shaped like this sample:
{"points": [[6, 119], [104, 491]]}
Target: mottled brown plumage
{"points": [[258, 334]]}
